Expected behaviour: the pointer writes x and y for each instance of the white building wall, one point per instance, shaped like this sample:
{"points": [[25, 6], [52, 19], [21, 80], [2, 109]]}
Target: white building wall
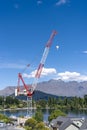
{"points": [[71, 127]]}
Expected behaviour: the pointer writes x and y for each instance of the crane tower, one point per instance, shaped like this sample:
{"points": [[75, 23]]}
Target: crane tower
{"points": [[29, 89]]}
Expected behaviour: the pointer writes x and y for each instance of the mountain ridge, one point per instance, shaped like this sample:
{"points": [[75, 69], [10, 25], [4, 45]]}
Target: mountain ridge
{"points": [[55, 87]]}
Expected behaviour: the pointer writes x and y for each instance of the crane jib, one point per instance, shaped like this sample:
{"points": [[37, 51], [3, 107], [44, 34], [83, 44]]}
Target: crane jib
{"points": [[46, 51], [30, 89]]}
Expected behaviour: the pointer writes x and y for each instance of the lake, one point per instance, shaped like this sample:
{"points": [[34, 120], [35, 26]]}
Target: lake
{"points": [[46, 113]]}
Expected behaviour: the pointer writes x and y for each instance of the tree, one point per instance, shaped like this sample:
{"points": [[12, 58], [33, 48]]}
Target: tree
{"points": [[38, 116], [5, 118], [41, 126], [85, 99], [42, 103], [30, 124], [55, 114], [65, 101], [52, 102], [1, 100]]}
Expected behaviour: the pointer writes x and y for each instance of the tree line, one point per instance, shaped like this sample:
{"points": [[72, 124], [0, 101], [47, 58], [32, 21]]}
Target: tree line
{"points": [[52, 103], [11, 102], [56, 104], [64, 102]]}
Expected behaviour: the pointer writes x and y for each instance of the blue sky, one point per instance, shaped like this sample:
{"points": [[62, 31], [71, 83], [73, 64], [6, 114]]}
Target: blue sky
{"points": [[25, 27]]}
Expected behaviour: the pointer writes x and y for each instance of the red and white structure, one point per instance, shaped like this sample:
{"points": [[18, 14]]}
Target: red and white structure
{"points": [[29, 90]]}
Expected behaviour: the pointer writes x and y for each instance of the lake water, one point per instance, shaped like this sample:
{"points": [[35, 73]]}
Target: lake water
{"points": [[46, 113]]}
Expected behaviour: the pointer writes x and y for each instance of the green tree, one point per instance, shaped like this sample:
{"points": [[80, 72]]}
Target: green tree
{"points": [[41, 126], [1, 100], [50, 101], [42, 103], [65, 101], [38, 116], [81, 102], [60, 101], [30, 124], [5, 118], [55, 114], [85, 100]]}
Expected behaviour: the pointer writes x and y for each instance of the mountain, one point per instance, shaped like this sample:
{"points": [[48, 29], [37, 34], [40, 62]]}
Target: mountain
{"points": [[61, 88], [37, 96], [55, 87], [7, 91]]}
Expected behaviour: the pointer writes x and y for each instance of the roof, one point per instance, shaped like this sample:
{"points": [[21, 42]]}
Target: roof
{"points": [[67, 124], [63, 122], [84, 125], [59, 120], [62, 119]]}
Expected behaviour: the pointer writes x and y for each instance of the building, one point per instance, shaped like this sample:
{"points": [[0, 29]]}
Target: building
{"points": [[21, 121], [68, 123], [84, 126], [2, 124]]}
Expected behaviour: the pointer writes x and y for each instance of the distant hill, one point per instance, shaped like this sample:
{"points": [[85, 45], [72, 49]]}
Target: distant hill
{"points": [[55, 87], [7, 91], [61, 88], [38, 95]]}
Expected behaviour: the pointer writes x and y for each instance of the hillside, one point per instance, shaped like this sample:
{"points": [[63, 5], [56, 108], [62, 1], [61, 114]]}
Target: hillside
{"points": [[61, 88], [38, 95], [55, 87]]}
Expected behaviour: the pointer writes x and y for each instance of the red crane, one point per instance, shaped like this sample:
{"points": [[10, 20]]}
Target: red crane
{"points": [[43, 59], [29, 90]]}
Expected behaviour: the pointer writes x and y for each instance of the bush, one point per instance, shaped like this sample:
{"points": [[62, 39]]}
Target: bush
{"points": [[38, 116], [55, 114], [30, 123]]}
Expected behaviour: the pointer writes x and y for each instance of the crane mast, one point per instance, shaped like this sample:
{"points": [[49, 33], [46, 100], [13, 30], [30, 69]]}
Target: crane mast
{"points": [[29, 89]]}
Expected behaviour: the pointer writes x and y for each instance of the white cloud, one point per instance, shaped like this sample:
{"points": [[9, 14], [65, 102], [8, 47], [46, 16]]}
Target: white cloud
{"points": [[61, 2], [65, 76], [45, 72], [31, 75], [85, 52], [39, 2], [27, 75], [48, 71], [71, 76]]}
